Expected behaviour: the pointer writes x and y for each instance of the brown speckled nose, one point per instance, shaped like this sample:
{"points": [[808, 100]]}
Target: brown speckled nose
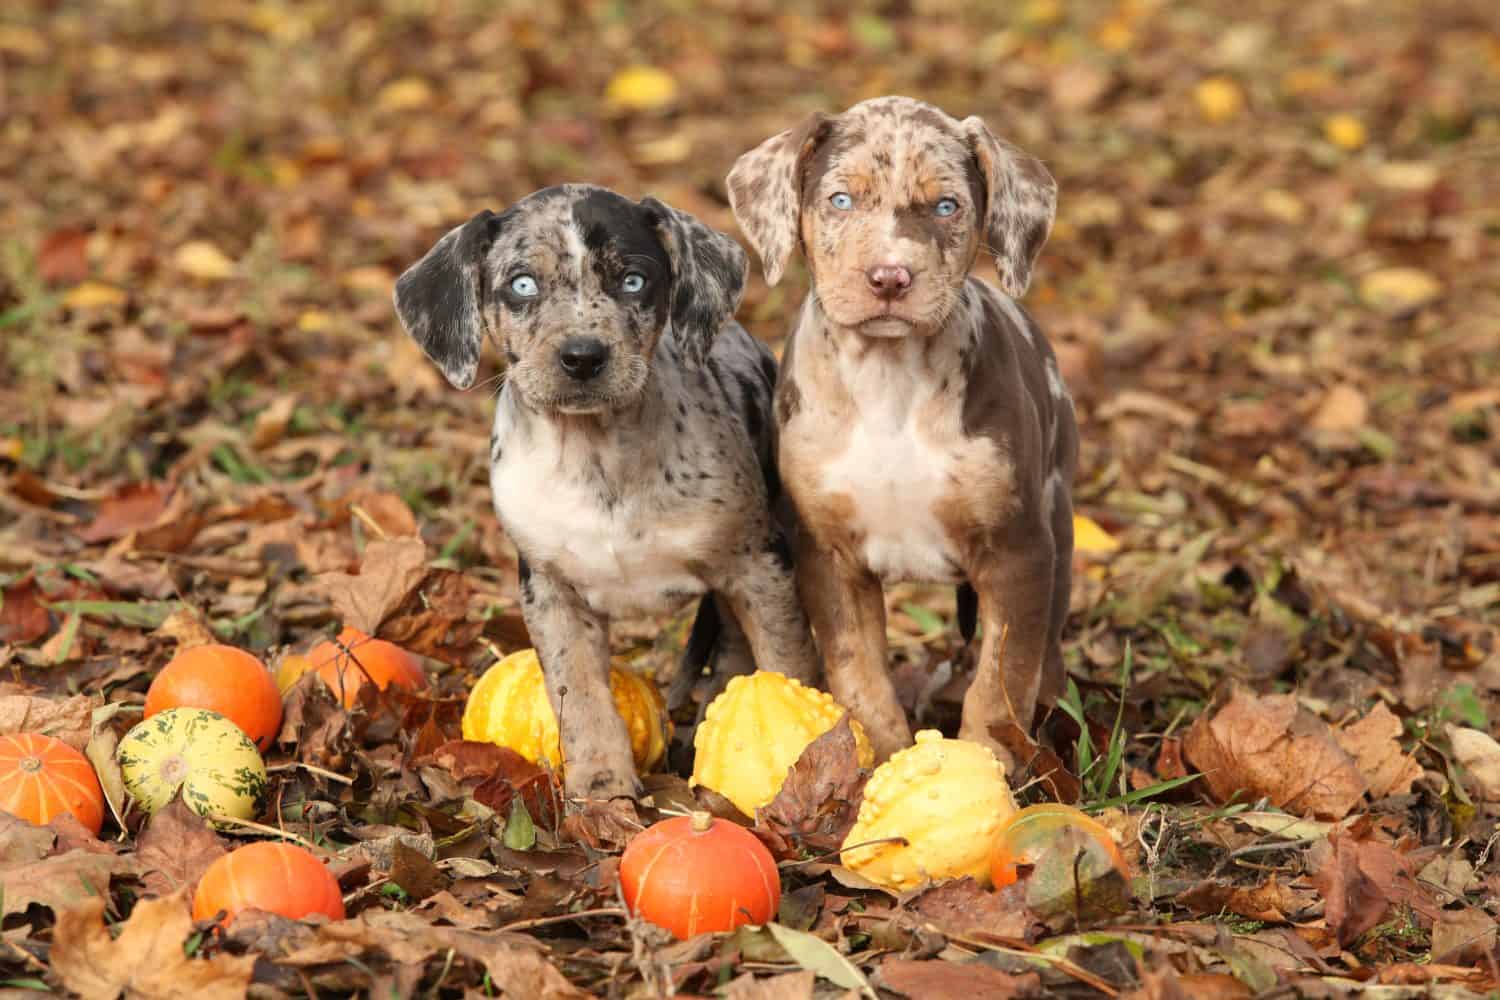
{"points": [[888, 281]]}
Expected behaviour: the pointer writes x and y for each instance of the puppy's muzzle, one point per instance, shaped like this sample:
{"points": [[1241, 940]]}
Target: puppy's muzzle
{"points": [[888, 282], [582, 358]]}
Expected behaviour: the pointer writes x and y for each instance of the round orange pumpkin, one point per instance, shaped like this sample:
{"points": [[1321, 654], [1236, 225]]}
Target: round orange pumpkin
{"points": [[355, 660], [275, 877], [694, 874], [221, 679], [41, 777], [1026, 837]]}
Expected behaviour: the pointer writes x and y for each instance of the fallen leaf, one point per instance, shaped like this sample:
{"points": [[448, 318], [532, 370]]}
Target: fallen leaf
{"points": [[66, 719], [1037, 763], [1479, 755], [1089, 538], [1271, 901], [132, 508], [641, 88], [1374, 744], [23, 619], [417, 875], [1398, 290], [271, 423], [1360, 879], [22, 841], [60, 881], [1254, 746], [819, 800], [972, 980], [147, 960], [1345, 132], [818, 956], [406, 94], [1343, 409], [390, 570], [62, 258], [94, 295], [604, 826], [201, 259], [1463, 936], [962, 906], [185, 627], [1219, 99], [175, 849], [787, 986]]}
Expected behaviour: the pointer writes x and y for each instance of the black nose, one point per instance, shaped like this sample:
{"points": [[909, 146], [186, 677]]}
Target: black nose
{"points": [[888, 282], [582, 357]]}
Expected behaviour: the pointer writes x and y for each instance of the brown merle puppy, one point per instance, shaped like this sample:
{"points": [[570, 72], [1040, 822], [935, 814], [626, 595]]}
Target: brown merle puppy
{"points": [[924, 430], [631, 455]]}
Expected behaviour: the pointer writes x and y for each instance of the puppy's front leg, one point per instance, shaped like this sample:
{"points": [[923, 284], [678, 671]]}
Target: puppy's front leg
{"points": [[847, 607], [762, 596], [573, 644], [1015, 596]]}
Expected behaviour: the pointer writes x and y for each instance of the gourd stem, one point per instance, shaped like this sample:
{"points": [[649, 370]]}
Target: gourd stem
{"points": [[701, 821]]}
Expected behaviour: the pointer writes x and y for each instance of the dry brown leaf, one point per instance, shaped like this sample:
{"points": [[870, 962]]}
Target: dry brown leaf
{"points": [[147, 960], [787, 986], [22, 841], [1374, 744], [67, 719], [131, 508], [175, 849], [185, 627], [1479, 755], [961, 906], [819, 800], [971, 980], [1343, 409], [1271, 901], [61, 881], [1360, 879], [22, 618], [1256, 746], [390, 570], [1465, 936]]}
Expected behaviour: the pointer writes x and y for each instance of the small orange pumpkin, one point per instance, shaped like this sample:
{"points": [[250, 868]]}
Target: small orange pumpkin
{"points": [[221, 679], [41, 777], [355, 660], [694, 874], [275, 877]]}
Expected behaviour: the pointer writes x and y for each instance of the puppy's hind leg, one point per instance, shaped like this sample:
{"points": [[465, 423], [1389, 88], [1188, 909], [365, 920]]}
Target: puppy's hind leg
{"points": [[1054, 671], [573, 645]]}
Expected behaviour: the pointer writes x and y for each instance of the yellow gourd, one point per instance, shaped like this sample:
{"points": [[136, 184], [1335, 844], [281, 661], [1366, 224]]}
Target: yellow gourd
{"points": [[199, 753], [754, 732], [946, 798], [509, 707]]}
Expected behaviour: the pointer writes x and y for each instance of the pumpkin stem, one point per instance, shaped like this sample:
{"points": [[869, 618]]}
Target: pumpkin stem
{"points": [[701, 821], [31, 765], [174, 770]]}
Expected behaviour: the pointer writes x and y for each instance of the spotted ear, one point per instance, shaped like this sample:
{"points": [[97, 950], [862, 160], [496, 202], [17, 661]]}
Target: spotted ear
{"points": [[1021, 201], [440, 298], [765, 191], [708, 276]]}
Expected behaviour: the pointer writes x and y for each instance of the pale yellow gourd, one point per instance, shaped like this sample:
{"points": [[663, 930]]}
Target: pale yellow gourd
{"points": [[509, 707], [755, 730], [946, 798], [198, 754]]}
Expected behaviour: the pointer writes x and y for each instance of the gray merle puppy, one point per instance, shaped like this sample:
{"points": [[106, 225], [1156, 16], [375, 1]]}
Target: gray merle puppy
{"points": [[631, 458]]}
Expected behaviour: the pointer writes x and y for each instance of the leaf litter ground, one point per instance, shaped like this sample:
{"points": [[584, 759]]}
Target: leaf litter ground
{"points": [[1273, 286]]}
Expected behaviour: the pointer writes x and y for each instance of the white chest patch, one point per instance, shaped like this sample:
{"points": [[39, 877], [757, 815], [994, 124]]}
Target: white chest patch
{"points": [[896, 478], [624, 558]]}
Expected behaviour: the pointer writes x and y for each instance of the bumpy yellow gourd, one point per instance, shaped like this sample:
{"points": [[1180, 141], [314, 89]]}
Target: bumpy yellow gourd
{"points": [[946, 797], [755, 730], [509, 707]]}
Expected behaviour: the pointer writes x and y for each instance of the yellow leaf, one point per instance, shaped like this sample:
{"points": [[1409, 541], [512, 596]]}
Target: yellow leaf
{"points": [[641, 88], [1219, 98], [201, 259], [405, 94], [94, 295], [674, 148], [11, 448], [368, 279], [1089, 537], [1282, 205], [1039, 13], [1345, 132], [314, 321], [1398, 289]]}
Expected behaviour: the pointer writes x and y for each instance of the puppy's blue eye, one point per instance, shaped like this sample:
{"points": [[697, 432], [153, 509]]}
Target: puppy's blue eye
{"points": [[945, 207], [633, 282], [842, 201], [524, 286]]}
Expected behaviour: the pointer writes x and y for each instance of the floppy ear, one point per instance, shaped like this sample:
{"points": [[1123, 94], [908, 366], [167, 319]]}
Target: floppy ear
{"points": [[1021, 203], [708, 276], [440, 298], [765, 191]]}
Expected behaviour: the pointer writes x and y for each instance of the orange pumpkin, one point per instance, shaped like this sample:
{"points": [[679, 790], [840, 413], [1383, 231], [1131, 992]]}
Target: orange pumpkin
{"points": [[694, 874], [1026, 837], [355, 660], [275, 877], [221, 679], [41, 777]]}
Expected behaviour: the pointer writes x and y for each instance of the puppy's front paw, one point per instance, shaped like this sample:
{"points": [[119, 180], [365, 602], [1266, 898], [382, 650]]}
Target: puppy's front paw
{"points": [[600, 782]]}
